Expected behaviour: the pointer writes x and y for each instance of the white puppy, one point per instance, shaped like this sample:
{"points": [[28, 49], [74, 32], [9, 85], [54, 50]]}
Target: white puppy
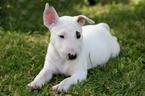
{"points": [[74, 49]]}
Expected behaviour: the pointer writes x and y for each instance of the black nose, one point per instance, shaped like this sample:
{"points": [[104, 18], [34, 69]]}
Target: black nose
{"points": [[72, 57]]}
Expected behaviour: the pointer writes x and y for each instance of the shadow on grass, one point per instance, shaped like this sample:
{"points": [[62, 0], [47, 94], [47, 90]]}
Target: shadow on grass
{"points": [[104, 2], [27, 15]]}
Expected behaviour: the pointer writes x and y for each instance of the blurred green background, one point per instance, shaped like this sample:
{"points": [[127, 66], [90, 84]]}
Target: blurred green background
{"points": [[26, 15]]}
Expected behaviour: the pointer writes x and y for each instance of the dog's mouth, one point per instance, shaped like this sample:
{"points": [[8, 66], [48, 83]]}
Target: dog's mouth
{"points": [[72, 57]]}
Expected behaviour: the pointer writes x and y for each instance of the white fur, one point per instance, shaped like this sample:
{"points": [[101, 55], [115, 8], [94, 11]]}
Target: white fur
{"points": [[95, 47]]}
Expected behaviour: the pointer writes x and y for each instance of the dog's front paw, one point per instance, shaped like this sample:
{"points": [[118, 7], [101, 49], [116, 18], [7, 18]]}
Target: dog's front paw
{"points": [[60, 88], [34, 85]]}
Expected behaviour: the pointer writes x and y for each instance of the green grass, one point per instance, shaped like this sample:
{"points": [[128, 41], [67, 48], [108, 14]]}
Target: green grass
{"points": [[22, 54]]}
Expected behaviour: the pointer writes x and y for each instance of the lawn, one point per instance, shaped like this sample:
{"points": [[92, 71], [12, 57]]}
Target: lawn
{"points": [[23, 45]]}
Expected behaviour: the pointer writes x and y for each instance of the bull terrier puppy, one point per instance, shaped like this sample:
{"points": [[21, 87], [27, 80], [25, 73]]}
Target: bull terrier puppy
{"points": [[74, 48]]}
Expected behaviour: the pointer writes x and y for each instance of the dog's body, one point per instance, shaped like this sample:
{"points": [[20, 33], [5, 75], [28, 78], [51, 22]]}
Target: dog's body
{"points": [[74, 49]]}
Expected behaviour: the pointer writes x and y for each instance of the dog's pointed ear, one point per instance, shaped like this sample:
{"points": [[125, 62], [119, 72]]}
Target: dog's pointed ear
{"points": [[82, 20], [50, 16]]}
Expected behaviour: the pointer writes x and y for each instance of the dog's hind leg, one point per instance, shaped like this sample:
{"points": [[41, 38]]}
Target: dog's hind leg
{"points": [[115, 47]]}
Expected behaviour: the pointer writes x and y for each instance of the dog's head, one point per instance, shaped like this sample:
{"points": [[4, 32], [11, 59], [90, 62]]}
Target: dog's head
{"points": [[66, 32]]}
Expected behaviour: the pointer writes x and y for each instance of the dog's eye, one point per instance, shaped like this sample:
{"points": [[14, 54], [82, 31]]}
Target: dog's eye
{"points": [[61, 36], [78, 35]]}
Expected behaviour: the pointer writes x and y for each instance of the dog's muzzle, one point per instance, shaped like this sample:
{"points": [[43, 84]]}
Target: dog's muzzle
{"points": [[71, 56]]}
